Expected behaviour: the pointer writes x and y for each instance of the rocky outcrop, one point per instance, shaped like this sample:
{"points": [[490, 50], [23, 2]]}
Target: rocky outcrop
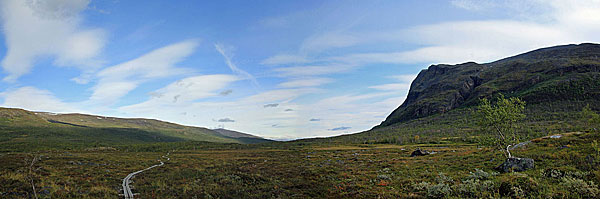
{"points": [[515, 164], [438, 89], [543, 74], [420, 152]]}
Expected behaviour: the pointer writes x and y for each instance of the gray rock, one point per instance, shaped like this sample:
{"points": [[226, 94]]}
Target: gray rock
{"points": [[516, 164]]}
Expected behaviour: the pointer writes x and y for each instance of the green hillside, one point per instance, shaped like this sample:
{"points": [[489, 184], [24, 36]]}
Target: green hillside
{"points": [[21, 129]]}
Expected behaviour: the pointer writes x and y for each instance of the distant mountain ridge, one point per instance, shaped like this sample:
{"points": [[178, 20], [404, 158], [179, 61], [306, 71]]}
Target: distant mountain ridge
{"points": [[568, 72], [233, 134]]}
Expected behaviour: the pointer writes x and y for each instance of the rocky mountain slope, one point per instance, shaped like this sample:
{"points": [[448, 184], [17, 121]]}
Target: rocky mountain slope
{"points": [[570, 72]]}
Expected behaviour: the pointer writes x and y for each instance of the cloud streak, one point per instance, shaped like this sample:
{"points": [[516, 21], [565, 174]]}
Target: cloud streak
{"points": [[228, 56]]}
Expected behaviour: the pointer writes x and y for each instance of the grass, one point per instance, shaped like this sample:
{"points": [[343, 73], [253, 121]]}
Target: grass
{"points": [[308, 171]]}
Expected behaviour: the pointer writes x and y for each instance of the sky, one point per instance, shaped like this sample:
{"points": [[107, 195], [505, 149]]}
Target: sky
{"points": [[277, 69]]}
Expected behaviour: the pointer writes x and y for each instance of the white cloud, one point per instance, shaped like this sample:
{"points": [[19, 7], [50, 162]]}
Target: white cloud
{"points": [[483, 41], [118, 80], [392, 87], [249, 112], [308, 82], [278, 95], [193, 88], [178, 96], [40, 28], [328, 40], [283, 59], [313, 70], [226, 52], [360, 112], [400, 86], [563, 22], [533, 24], [408, 78], [34, 99]]}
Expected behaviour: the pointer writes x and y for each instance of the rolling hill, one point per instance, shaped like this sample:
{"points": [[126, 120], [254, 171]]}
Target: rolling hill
{"points": [[19, 128]]}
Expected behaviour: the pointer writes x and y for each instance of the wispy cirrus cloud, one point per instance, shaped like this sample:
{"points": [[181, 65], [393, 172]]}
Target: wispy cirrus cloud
{"points": [[228, 56], [401, 86], [305, 82], [182, 93], [52, 29], [116, 81], [284, 59], [313, 70]]}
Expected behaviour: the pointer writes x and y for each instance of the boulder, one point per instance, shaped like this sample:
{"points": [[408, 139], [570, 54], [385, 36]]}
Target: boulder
{"points": [[516, 164], [419, 152]]}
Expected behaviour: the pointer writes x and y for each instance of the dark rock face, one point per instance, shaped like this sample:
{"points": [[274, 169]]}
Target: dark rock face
{"points": [[419, 152], [516, 164], [560, 70]]}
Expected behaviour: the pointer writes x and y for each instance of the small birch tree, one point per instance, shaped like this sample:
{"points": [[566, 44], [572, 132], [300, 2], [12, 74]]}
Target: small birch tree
{"points": [[500, 118]]}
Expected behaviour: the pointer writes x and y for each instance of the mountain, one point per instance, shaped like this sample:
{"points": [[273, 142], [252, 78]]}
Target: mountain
{"points": [[569, 72], [20, 127], [556, 83]]}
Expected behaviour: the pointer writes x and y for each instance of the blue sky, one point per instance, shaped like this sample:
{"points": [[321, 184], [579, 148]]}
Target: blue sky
{"points": [[278, 69]]}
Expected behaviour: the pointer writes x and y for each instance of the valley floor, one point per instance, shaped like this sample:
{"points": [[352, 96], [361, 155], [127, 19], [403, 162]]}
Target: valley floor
{"points": [[565, 168]]}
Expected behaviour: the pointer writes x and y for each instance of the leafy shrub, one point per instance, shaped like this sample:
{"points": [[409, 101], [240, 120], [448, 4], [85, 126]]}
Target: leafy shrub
{"points": [[443, 179], [580, 188], [481, 175], [475, 188], [435, 190], [420, 187], [560, 173], [517, 185], [438, 190]]}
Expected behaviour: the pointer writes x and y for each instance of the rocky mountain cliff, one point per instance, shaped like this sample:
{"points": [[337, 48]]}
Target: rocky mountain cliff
{"points": [[569, 72]]}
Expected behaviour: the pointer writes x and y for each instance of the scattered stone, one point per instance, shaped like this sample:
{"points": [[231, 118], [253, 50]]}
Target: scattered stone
{"points": [[384, 177], [516, 164]]}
